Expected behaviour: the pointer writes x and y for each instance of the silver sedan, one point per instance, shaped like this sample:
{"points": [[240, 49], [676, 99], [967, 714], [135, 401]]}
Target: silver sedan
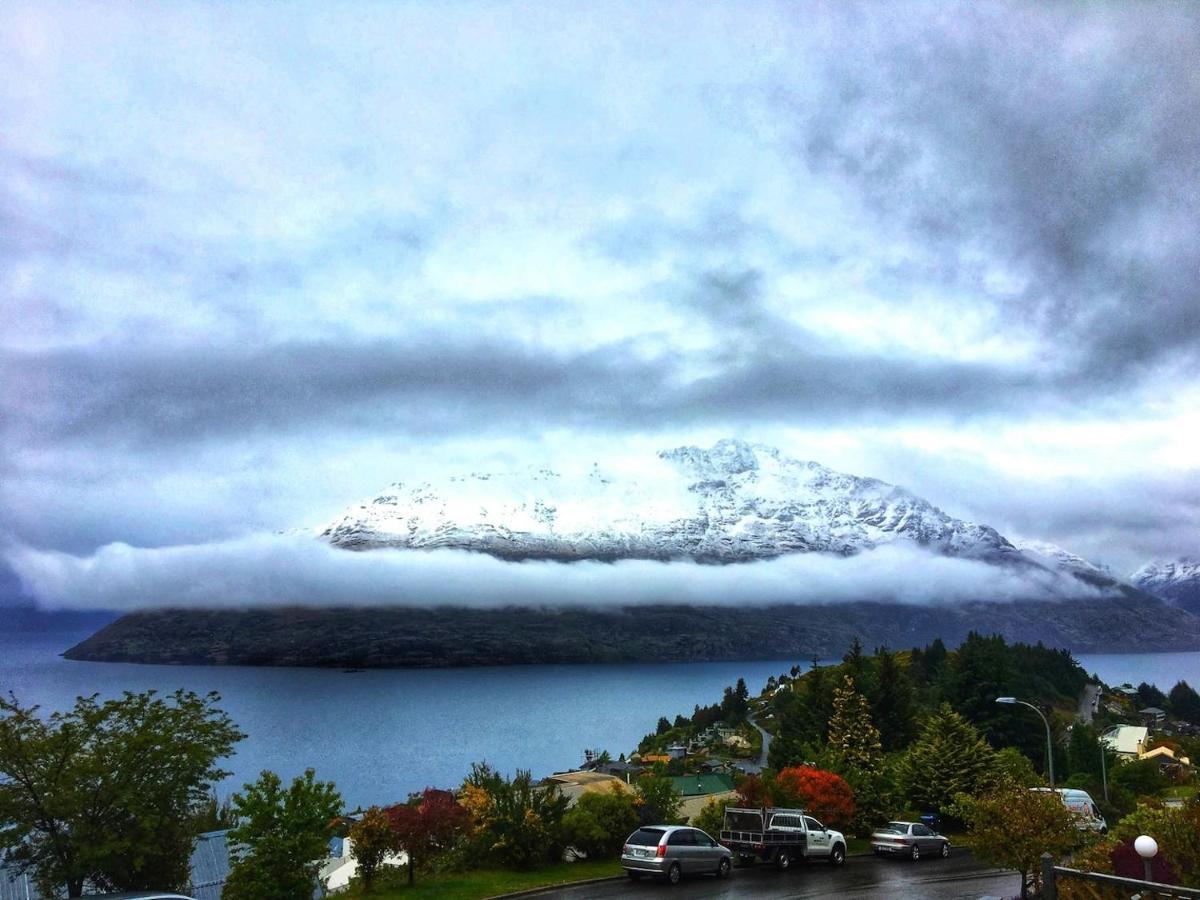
{"points": [[911, 839]]}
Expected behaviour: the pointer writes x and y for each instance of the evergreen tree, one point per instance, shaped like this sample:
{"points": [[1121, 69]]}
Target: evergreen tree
{"points": [[948, 758], [851, 732], [893, 708], [1185, 702]]}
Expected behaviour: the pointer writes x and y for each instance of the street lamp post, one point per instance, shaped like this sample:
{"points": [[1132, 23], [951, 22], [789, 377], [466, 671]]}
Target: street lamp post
{"points": [[1045, 721]]}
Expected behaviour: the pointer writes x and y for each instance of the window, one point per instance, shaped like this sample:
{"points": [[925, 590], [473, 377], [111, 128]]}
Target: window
{"points": [[683, 838], [703, 840], [813, 824], [921, 831], [647, 837]]}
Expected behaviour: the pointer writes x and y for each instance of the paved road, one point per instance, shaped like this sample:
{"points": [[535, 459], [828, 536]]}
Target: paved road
{"points": [[1087, 703], [861, 878], [766, 747]]}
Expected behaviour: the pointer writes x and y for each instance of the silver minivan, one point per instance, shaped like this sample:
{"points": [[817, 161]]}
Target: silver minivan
{"points": [[672, 851]]}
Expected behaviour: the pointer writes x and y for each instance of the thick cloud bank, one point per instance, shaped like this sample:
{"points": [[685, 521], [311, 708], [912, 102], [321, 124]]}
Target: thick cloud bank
{"points": [[298, 570]]}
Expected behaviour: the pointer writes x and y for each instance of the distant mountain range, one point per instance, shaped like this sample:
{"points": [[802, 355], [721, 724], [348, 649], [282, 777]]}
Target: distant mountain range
{"points": [[1177, 581], [730, 504], [734, 502]]}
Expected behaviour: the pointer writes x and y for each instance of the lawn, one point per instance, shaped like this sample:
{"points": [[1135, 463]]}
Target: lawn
{"points": [[490, 882]]}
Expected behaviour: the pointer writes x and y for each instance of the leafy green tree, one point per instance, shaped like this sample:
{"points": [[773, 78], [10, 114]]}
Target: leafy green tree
{"points": [[109, 792], [371, 840], [521, 821], [664, 725], [282, 837], [600, 821], [852, 734], [1142, 777], [711, 819], [1011, 826], [1176, 830], [947, 759], [657, 801]]}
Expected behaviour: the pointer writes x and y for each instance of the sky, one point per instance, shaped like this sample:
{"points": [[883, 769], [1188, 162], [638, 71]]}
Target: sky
{"points": [[259, 261]]}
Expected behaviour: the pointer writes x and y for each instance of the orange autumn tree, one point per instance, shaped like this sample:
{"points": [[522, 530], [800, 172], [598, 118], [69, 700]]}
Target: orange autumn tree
{"points": [[824, 795]]}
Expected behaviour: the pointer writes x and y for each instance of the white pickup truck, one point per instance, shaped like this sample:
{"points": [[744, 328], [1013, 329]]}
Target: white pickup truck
{"points": [[781, 836]]}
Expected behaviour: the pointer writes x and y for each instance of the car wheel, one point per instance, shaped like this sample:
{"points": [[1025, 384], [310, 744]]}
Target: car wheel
{"points": [[783, 859], [634, 876], [724, 867], [945, 849], [838, 855], [674, 874], [916, 853]]}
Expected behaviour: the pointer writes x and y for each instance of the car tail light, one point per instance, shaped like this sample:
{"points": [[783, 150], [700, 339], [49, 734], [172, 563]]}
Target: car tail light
{"points": [[662, 851]]}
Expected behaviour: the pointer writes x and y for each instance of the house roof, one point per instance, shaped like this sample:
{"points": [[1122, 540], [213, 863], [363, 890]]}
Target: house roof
{"points": [[1125, 738], [1152, 711], [698, 785]]}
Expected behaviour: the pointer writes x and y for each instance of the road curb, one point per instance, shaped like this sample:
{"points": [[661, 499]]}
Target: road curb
{"points": [[545, 889]]}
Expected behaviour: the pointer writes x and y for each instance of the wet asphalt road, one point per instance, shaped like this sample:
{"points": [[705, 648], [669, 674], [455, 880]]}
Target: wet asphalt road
{"points": [[861, 878]]}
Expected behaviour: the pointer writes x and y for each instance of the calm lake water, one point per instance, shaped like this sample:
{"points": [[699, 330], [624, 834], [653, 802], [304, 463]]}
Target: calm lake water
{"points": [[382, 734]]}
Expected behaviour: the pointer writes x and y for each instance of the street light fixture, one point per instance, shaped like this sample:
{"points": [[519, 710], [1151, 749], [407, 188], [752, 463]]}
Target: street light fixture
{"points": [[1008, 701]]}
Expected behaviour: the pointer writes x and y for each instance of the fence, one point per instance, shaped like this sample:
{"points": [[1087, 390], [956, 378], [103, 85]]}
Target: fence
{"points": [[1061, 883]]}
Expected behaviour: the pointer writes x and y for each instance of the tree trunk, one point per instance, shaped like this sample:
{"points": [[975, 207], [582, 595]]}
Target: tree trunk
{"points": [[412, 865], [75, 888], [1024, 884]]}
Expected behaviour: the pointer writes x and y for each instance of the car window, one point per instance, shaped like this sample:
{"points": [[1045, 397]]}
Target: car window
{"points": [[703, 840], [813, 824], [646, 837], [921, 831], [682, 839]]}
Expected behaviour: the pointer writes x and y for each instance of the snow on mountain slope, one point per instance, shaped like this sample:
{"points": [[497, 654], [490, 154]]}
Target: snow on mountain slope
{"points": [[1175, 580], [733, 502], [1056, 557]]}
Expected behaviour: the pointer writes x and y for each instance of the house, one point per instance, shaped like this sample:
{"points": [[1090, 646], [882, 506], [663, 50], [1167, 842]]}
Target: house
{"points": [[1168, 762], [342, 865], [1152, 715], [677, 751], [652, 758], [574, 785], [1127, 741], [698, 790]]}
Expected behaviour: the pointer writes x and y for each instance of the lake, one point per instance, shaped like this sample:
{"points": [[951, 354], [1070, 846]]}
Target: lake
{"points": [[382, 734]]}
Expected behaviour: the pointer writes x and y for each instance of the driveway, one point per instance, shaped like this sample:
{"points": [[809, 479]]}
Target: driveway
{"points": [[1087, 703], [761, 763]]}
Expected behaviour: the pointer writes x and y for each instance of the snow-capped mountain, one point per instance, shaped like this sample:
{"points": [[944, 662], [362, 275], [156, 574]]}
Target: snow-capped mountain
{"points": [[733, 502], [1056, 557], [1175, 580]]}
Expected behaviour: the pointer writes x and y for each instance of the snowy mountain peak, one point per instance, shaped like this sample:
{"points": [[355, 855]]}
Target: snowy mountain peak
{"points": [[732, 502], [1176, 580]]}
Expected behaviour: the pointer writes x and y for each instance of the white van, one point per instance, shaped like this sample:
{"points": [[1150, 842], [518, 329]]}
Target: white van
{"points": [[1084, 807]]}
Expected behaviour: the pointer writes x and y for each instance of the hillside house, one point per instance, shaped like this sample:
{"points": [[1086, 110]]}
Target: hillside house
{"points": [[1127, 741]]}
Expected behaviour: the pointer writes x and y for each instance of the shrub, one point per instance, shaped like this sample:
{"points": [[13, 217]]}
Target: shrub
{"points": [[600, 821]]}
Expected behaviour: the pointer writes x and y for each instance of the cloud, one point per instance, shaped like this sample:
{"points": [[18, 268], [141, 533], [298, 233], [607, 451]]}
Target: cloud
{"points": [[297, 570]]}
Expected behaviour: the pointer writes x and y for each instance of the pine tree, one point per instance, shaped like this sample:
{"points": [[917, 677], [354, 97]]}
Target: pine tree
{"points": [[948, 758], [852, 734], [893, 708]]}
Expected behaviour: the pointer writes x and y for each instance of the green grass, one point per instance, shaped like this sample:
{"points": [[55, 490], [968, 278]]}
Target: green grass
{"points": [[490, 882], [856, 846]]}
